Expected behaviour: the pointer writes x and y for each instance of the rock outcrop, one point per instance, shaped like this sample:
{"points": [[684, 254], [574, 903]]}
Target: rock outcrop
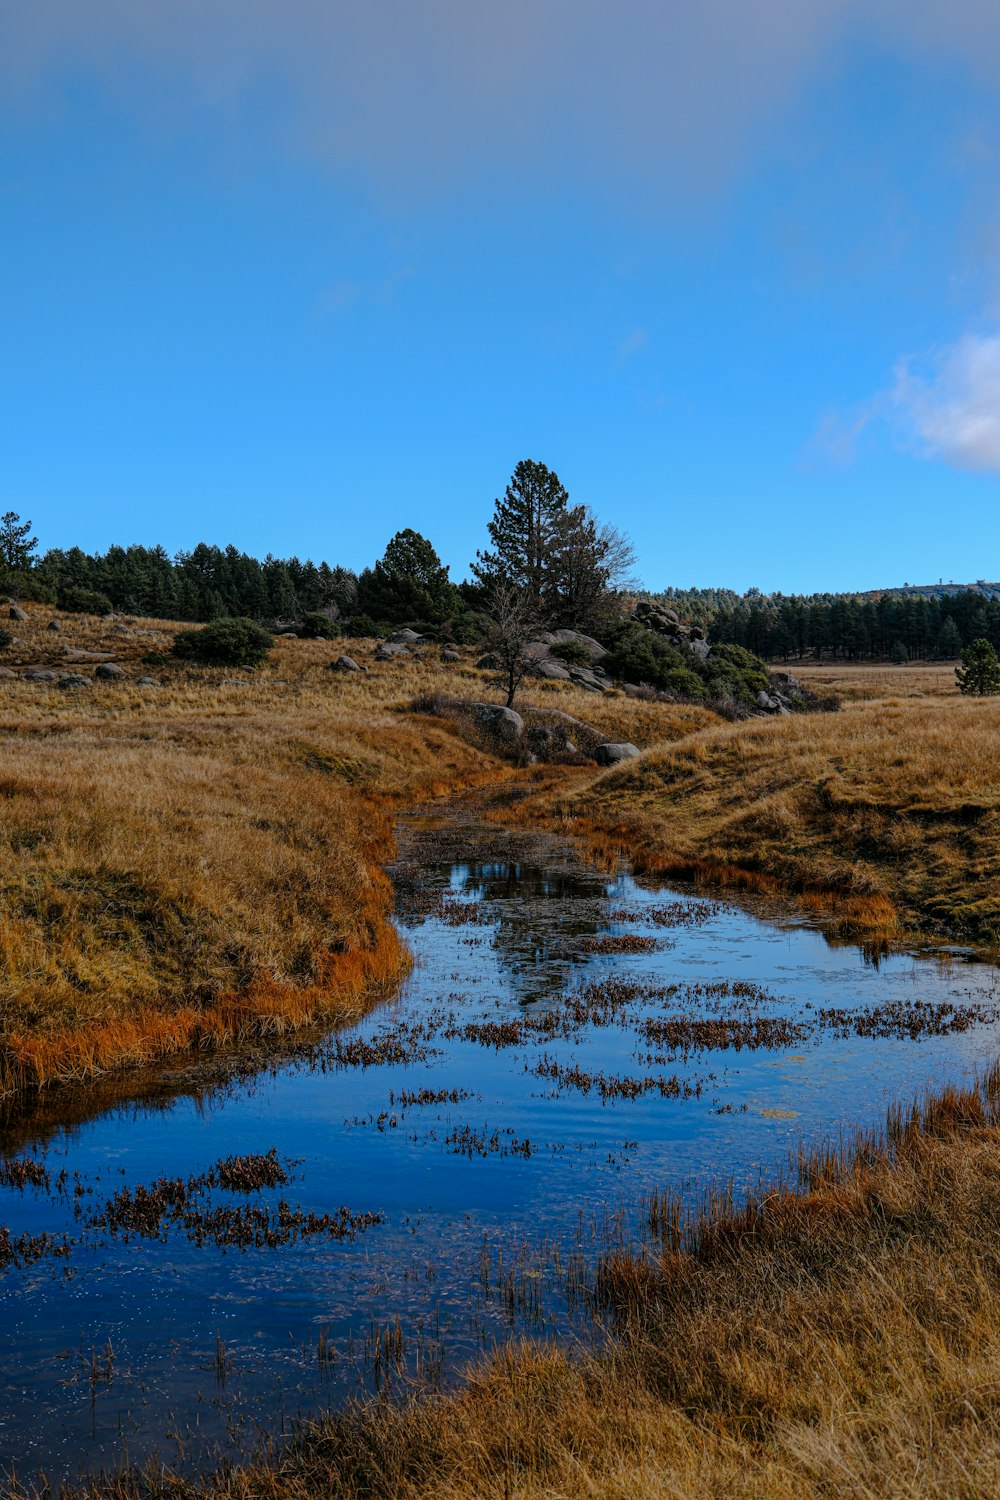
{"points": [[613, 755]]}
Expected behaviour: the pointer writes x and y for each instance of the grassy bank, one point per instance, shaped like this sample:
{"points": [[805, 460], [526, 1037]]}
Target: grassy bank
{"points": [[887, 812], [843, 1340], [199, 861]]}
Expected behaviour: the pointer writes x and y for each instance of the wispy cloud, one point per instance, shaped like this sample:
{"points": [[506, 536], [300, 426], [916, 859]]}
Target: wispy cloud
{"points": [[615, 88], [947, 403], [634, 342]]}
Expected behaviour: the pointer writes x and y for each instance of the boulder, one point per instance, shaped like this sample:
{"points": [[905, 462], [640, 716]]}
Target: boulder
{"points": [[585, 678], [39, 674], [488, 663], [346, 664], [700, 648], [72, 654], [613, 755], [389, 650], [74, 680], [148, 682], [109, 671], [593, 648], [550, 669], [503, 722], [17, 613], [54, 625], [120, 630], [406, 637], [6, 672], [451, 656]]}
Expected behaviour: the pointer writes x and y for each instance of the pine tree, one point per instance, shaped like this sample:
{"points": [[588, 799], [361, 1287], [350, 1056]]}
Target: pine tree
{"points": [[16, 543], [524, 531], [949, 640], [409, 583], [979, 674]]}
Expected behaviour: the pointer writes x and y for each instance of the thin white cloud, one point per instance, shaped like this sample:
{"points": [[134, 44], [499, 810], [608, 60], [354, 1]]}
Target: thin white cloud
{"points": [[947, 404], [631, 345]]}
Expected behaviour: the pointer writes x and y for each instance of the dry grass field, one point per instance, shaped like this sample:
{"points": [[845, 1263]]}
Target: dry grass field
{"points": [[886, 813], [849, 680], [200, 861]]}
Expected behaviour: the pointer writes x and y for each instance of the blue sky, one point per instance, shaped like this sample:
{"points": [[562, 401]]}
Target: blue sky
{"points": [[295, 277]]}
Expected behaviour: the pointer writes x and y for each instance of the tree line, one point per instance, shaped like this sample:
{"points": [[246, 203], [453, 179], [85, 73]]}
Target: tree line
{"points": [[554, 553], [893, 627]]}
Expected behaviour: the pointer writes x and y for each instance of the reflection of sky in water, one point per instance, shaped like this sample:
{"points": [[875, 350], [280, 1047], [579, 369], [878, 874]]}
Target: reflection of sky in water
{"points": [[161, 1304]]}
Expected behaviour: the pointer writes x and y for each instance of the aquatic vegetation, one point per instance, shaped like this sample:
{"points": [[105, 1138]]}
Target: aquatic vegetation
{"points": [[22, 1172], [249, 1173], [610, 1086], [621, 943]]}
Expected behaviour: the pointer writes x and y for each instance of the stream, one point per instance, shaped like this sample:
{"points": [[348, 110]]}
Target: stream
{"points": [[190, 1268]]}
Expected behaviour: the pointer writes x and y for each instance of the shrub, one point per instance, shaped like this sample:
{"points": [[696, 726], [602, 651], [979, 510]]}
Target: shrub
{"points": [[642, 657], [683, 683], [979, 674], [5, 639], [574, 652], [225, 642], [732, 670], [728, 672], [358, 627], [466, 629], [155, 659], [319, 627], [85, 602]]}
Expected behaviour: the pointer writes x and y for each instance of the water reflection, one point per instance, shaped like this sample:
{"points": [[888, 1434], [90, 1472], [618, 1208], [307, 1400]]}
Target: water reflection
{"points": [[446, 1167]]}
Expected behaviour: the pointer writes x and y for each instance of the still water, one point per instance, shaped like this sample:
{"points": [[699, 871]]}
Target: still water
{"points": [[567, 1043]]}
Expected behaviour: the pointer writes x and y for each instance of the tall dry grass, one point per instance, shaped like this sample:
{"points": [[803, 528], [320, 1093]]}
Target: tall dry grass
{"points": [[889, 810], [196, 862]]}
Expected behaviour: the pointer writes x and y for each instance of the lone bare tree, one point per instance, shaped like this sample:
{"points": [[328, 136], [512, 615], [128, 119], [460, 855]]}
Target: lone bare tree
{"points": [[515, 617]]}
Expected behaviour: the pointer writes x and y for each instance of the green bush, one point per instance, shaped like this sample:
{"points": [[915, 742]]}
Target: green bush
{"points": [[466, 629], [359, 627], [5, 639], [979, 674], [85, 602], [225, 643], [155, 659], [732, 671], [319, 627], [574, 652], [683, 683], [640, 656]]}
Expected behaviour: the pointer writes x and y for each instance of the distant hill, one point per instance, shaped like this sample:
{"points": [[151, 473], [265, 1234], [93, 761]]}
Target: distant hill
{"points": [[940, 590]]}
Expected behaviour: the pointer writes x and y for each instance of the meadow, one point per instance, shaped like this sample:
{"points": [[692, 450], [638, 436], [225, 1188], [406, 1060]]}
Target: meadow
{"points": [[201, 861]]}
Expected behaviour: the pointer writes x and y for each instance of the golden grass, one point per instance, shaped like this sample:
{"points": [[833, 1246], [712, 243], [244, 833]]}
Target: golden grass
{"points": [[199, 862], [840, 1341], [878, 679], [196, 863], [890, 809]]}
